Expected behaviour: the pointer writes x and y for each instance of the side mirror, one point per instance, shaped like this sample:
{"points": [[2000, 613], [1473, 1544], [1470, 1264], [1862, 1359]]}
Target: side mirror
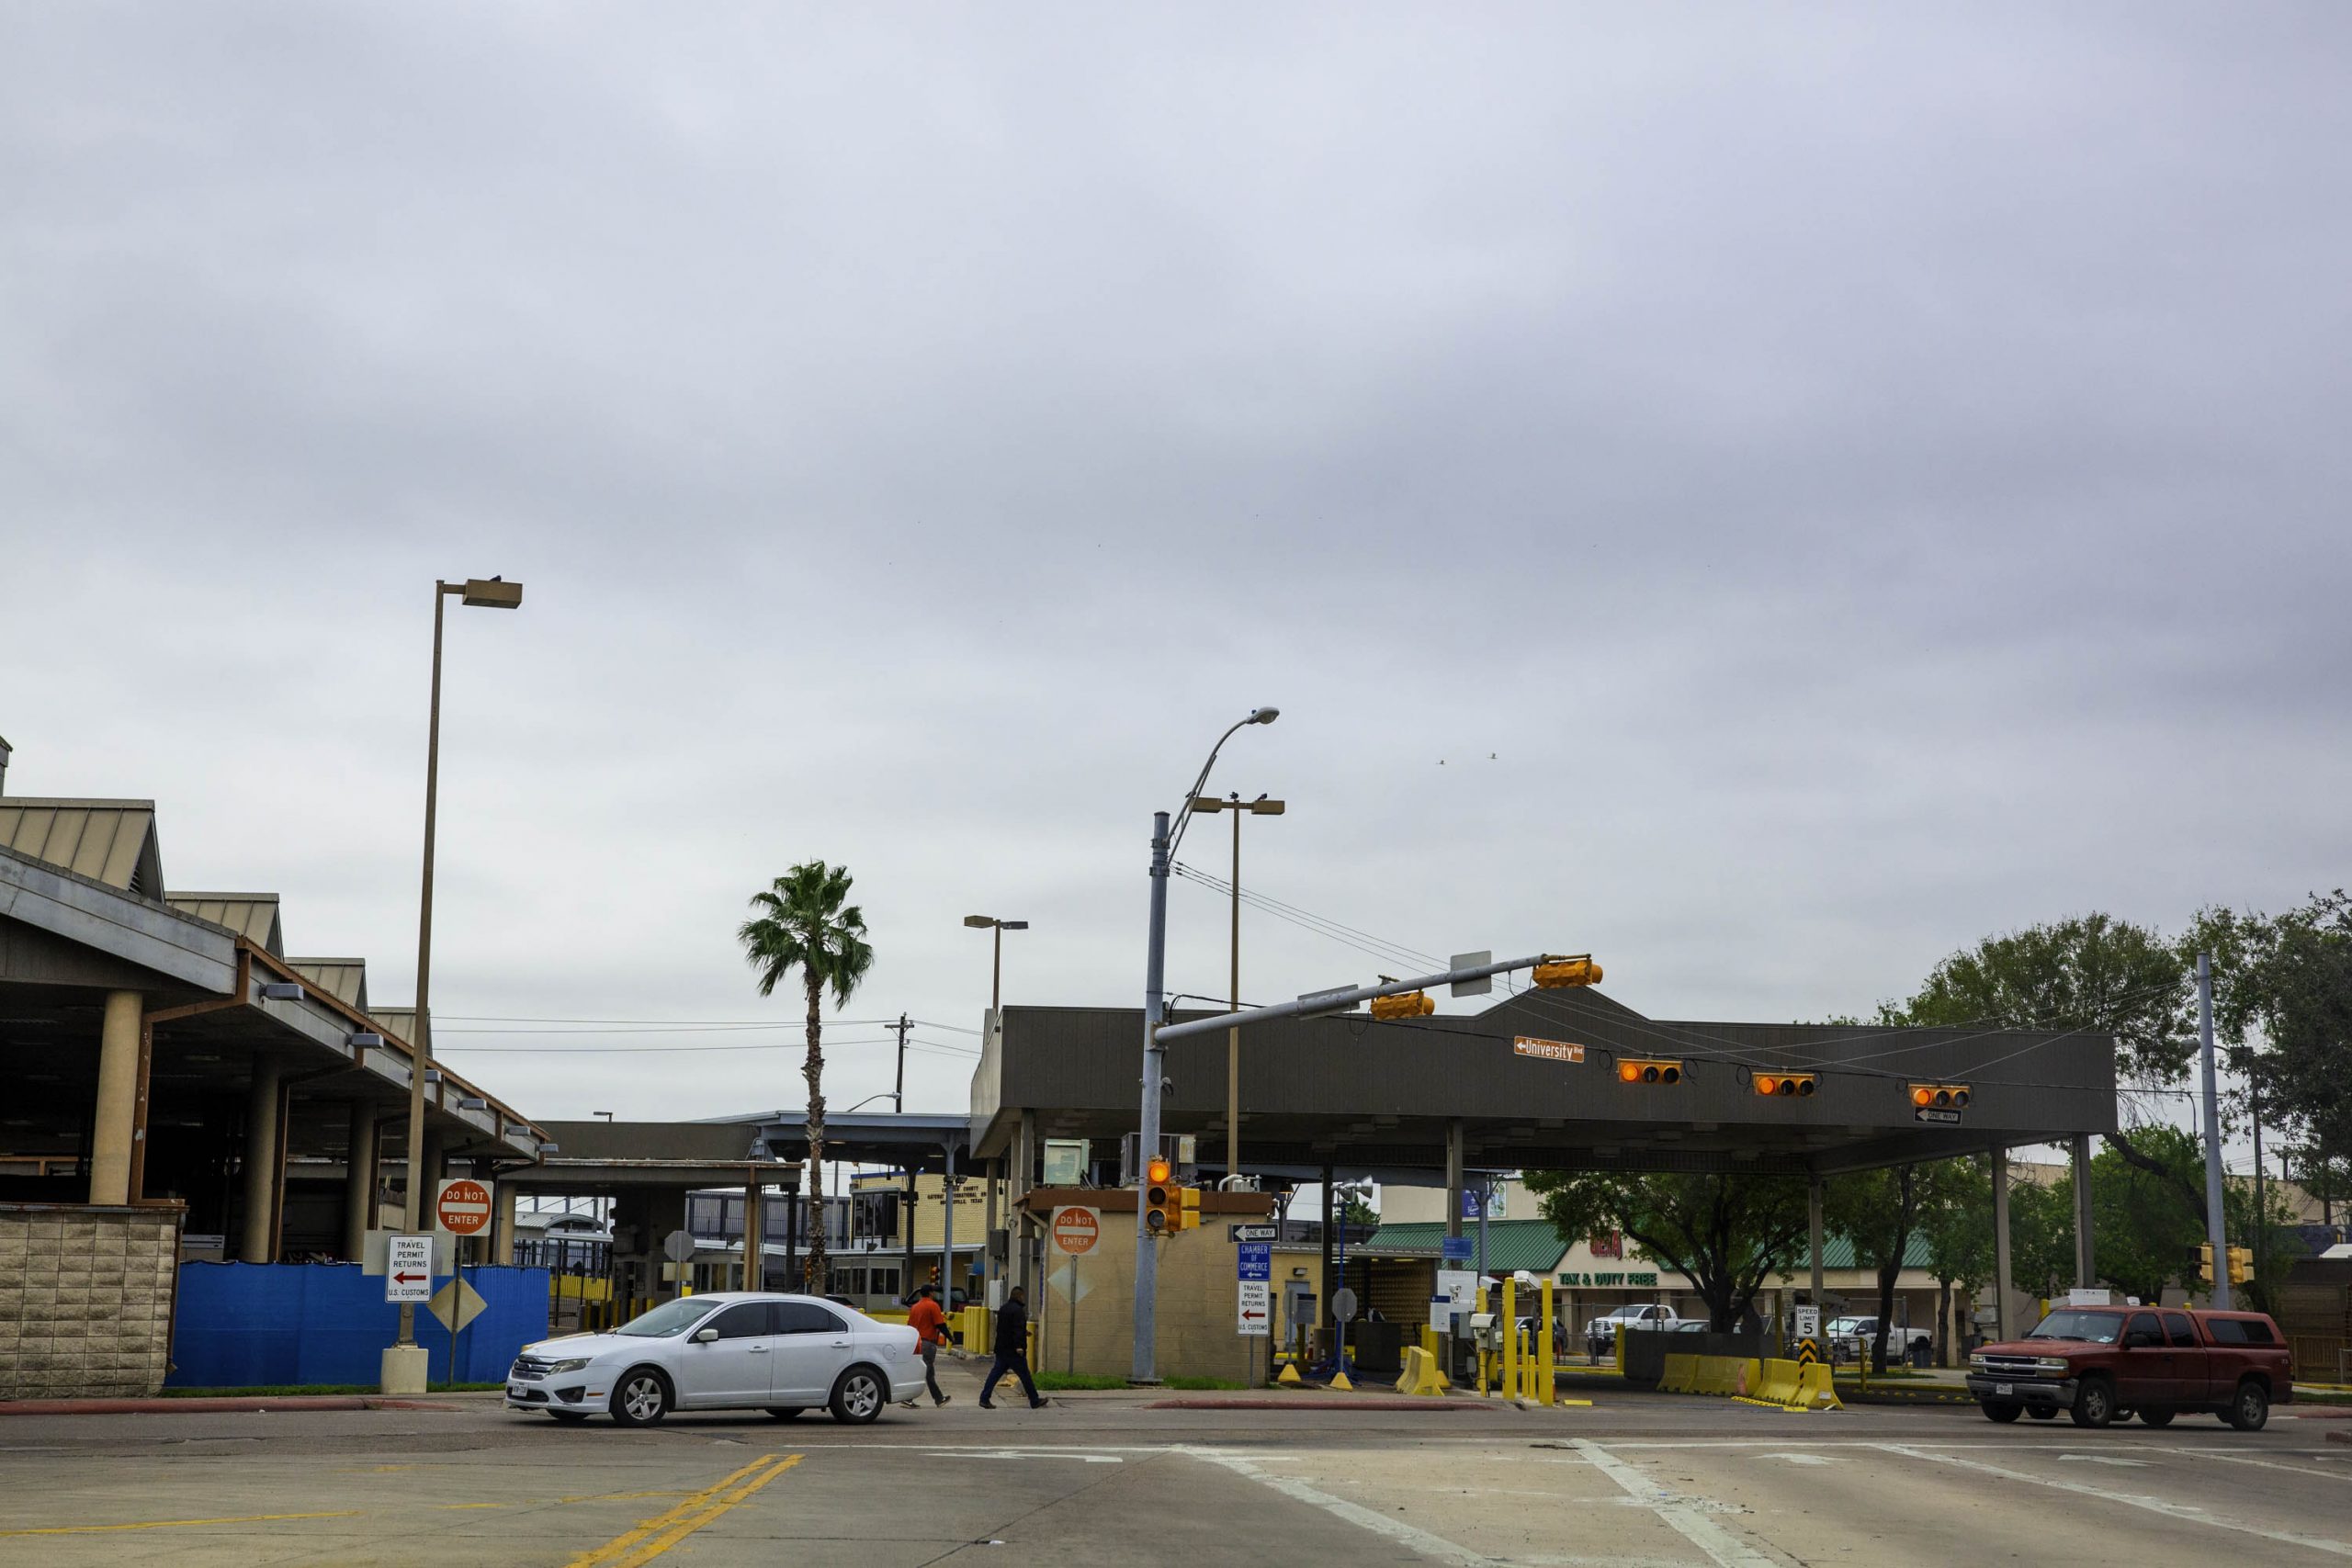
{"points": [[706, 1335]]}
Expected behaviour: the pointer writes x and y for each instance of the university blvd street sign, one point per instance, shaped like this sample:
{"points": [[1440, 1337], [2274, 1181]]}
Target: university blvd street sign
{"points": [[408, 1268], [1256, 1309]]}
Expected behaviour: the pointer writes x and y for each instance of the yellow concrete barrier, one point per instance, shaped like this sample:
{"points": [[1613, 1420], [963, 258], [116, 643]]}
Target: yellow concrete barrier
{"points": [[1777, 1387], [1747, 1376], [1680, 1375], [1814, 1391], [1421, 1375]]}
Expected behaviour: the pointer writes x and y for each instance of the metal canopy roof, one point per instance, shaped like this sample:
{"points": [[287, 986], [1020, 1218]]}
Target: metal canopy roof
{"points": [[111, 841], [1353, 1093]]}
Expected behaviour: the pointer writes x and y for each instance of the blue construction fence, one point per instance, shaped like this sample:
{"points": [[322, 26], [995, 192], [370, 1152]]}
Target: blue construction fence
{"points": [[264, 1325]]}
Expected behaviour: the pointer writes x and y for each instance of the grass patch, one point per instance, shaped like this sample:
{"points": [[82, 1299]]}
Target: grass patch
{"points": [[281, 1391]]}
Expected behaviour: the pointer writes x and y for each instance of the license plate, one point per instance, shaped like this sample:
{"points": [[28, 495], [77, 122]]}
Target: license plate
{"points": [[2005, 1388], [515, 1391]]}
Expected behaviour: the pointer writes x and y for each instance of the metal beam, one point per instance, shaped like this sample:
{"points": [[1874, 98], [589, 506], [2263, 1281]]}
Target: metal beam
{"points": [[1333, 1001]]}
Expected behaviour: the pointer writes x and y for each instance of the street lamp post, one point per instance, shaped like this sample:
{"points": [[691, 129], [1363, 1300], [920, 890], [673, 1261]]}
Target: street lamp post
{"points": [[1142, 1367], [1261, 806], [996, 969], [404, 1369]]}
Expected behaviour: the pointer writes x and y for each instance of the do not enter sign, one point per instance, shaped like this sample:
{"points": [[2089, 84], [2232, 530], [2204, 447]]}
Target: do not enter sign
{"points": [[463, 1207], [1076, 1230]]}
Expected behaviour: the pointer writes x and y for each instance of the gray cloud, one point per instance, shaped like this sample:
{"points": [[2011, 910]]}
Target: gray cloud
{"points": [[1867, 477]]}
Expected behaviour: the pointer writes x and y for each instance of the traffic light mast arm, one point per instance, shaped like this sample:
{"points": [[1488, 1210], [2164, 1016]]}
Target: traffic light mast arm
{"points": [[1335, 1001]]}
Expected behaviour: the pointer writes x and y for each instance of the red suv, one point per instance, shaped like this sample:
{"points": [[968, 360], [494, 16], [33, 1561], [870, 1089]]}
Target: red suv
{"points": [[2100, 1364]]}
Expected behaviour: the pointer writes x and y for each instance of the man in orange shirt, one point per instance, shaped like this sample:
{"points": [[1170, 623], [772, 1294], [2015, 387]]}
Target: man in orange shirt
{"points": [[930, 1324]]}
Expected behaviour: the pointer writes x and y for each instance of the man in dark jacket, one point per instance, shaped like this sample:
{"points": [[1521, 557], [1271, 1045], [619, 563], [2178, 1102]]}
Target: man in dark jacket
{"points": [[1012, 1349]]}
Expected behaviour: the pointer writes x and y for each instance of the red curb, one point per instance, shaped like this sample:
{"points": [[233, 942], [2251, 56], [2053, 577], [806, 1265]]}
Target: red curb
{"points": [[210, 1407], [1293, 1407]]}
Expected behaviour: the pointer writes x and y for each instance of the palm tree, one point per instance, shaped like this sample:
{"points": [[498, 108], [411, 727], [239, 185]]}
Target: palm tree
{"points": [[803, 922]]}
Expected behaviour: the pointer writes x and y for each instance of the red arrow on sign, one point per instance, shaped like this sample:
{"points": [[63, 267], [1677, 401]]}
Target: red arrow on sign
{"points": [[404, 1279], [1250, 1315]]}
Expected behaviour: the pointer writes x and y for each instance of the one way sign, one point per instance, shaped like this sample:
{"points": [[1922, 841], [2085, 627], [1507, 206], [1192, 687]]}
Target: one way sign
{"points": [[408, 1268]]}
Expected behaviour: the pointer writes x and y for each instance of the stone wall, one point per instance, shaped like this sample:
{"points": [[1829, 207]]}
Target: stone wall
{"points": [[85, 1299]]}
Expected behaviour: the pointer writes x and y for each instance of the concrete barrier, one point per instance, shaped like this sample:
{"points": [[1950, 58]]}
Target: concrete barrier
{"points": [[1679, 1375], [1421, 1375], [1814, 1391]]}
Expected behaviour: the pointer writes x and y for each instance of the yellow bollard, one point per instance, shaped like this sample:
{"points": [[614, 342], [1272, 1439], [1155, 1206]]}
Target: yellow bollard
{"points": [[1482, 1347], [1510, 1340], [1544, 1365]]}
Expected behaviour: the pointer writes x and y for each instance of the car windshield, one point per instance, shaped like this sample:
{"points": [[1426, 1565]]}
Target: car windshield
{"points": [[2093, 1327], [668, 1318]]}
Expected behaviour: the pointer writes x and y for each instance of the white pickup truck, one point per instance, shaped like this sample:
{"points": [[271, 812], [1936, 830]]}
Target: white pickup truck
{"points": [[1850, 1339], [1600, 1333]]}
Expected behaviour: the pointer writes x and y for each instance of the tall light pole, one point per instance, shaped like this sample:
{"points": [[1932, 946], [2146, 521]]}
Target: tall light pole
{"points": [[996, 970], [1144, 1365], [404, 1361], [1261, 806]]}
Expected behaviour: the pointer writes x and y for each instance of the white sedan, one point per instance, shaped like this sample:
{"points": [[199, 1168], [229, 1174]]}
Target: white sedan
{"points": [[724, 1351]]}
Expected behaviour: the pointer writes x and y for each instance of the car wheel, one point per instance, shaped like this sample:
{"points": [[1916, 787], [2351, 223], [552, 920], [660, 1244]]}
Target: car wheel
{"points": [[859, 1396], [2004, 1414], [2094, 1403], [2045, 1413], [640, 1398], [2250, 1408], [569, 1417], [2157, 1417], [785, 1412]]}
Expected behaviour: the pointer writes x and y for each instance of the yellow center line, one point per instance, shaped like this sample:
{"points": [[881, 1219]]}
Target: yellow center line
{"points": [[452, 1507], [664, 1530], [176, 1524]]}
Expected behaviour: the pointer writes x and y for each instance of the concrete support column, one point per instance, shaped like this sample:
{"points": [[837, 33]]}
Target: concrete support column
{"points": [[437, 1161], [990, 1274], [1027, 1272], [755, 1237], [116, 1132], [2086, 1257], [358, 1180], [907, 1233], [261, 1165], [2001, 1326], [948, 1232], [502, 1224], [1813, 1231]]}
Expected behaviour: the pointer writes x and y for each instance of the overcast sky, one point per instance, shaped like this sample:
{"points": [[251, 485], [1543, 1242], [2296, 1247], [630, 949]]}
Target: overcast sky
{"points": [[1768, 495]]}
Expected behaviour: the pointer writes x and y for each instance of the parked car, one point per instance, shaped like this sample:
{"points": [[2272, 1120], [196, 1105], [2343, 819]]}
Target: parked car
{"points": [[728, 1350], [1600, 1333], [1851, 1339], [2100, 1364]]}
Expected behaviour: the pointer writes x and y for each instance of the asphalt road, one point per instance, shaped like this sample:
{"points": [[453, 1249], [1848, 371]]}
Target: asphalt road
{"points": [[1628, 1480]]}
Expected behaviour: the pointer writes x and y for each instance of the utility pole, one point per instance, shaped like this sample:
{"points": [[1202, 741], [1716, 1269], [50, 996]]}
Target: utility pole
{"points": [[898, 1090], [2216, 1231], [907, 1203], [1142, 1368], [1263, 806]]}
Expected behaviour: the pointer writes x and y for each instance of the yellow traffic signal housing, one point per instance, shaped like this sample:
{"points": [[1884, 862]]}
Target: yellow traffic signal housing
{"points": [[1188, 1211], [1940, 1096], [1161, 1207], [2241, 1265], [1412, 1004], [1565, 971], [1648, 1070], [1785, 1085], [2205, 1262]]}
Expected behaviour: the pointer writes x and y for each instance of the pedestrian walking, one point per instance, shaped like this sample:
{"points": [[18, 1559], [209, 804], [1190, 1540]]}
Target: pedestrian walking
{"points": [[930, 1324], [1012, 1349]]}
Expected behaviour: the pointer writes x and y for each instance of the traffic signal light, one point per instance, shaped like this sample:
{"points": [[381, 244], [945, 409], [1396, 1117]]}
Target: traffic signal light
{"points": [[1412, 1004], [1565, 971], [1162, 1209], [1642, 1070], [1783, 1085], [1188, 1211], [2241, 1265], [1940, 1096], [2203, 1258]]}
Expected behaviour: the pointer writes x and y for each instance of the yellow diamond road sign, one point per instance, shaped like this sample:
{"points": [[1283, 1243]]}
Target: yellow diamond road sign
{"points": [[460, 1297]]}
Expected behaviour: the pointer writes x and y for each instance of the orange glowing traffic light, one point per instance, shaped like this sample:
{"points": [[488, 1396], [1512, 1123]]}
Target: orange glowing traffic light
{"points": [[1785, 1085], [1160, 1213], [1940, 1096], [1646, 1070]]}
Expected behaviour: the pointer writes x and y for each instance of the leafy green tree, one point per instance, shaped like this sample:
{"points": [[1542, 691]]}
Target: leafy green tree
{"points": [[803, 923], [2091, 973], [1881, 1211], [1725, 1235], [2041, 1236], [1958, 1229]]}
